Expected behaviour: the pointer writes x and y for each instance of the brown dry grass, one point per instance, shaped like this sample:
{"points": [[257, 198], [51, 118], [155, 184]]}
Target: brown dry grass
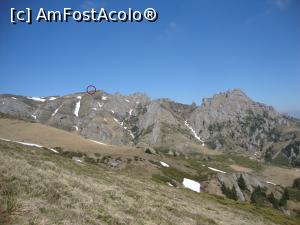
{"points": [[51, 189], [18, 130], [47, 188], [239, 168], [281, 176]]}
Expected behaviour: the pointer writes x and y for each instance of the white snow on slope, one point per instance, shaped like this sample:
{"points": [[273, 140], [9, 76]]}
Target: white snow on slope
{"points": [[216, 170], [33, 116], [52, 98], [164, 164], [191, 184], [269, 182], [169, 184], [118, 122], [56, 110], [79, 97], [97, 142], [100, 104], [13, 98], [77, 107], [76, 128], [77, 160], [30, 144], [104, 98], [130, 112], [131, 134], [193, 131], [113, 111], [37, 99], [125, 128], [127, 100]]}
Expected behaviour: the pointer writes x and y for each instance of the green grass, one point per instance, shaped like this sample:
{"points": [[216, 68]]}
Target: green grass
{"points": [[239, 160], [270, 214], [161, 179], [294, 194], [281, 160]]}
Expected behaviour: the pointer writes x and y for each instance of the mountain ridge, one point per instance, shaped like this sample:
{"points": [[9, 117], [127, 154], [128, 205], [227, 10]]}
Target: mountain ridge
{"points": [[227, 121]]}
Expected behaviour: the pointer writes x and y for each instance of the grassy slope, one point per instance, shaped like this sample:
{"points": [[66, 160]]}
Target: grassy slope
{"points": [[40, 187]]}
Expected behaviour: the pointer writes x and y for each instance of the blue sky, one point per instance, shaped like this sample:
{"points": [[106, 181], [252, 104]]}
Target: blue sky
{"points": [[195, 49]]}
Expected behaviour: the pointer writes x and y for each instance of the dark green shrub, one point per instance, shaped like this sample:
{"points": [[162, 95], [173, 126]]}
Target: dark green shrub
{"points": [[229, 192], [97, 154], [70, 154], [242, 184], [90, 160], [296, 183], [258, 196], [294, 194], [273, 201], [284, 198], [59, 149]]}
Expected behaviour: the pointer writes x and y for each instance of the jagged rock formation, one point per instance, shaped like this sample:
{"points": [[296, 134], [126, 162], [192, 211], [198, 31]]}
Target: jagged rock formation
{"points": [[228, 121]]}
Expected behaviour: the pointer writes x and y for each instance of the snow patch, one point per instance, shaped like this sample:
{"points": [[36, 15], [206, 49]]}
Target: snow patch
{"points": [[53, 150], [113, 111], [169, 184], [76, 128], [164, 164], [13, 98], [130, 112], [104, 98], [100, 104], [191, 184], [125, 128], [51, 98], [131, 134], [56, 110], [194, 132], [77, 159], [33, 116], [38, 99], [94, 109], [77, 107], [216, 170], [118, 122], [30, 144], [269, 182], [97, 142], [127, 100], [79, 97]]}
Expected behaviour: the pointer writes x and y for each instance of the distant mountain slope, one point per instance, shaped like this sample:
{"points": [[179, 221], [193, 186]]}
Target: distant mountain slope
{"points": [[227, 121], [295, 114]]}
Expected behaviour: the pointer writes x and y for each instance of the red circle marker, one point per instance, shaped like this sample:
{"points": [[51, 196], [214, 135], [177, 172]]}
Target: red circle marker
{"points": [[91, 89]]}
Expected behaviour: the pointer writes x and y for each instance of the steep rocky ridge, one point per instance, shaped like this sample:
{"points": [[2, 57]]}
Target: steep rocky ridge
{"points": [[227, 121]]}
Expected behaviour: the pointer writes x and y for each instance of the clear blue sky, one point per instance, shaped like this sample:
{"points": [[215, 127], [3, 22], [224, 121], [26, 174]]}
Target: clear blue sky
{"points": [[195, 49]]}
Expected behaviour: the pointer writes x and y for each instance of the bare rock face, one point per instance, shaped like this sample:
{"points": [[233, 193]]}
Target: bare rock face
{"points": [[231, 181], [232, 120], [228, 121]]}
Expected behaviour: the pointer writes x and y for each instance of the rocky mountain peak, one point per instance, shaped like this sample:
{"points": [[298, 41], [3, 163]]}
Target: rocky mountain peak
{"points": [[234, 96]]}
